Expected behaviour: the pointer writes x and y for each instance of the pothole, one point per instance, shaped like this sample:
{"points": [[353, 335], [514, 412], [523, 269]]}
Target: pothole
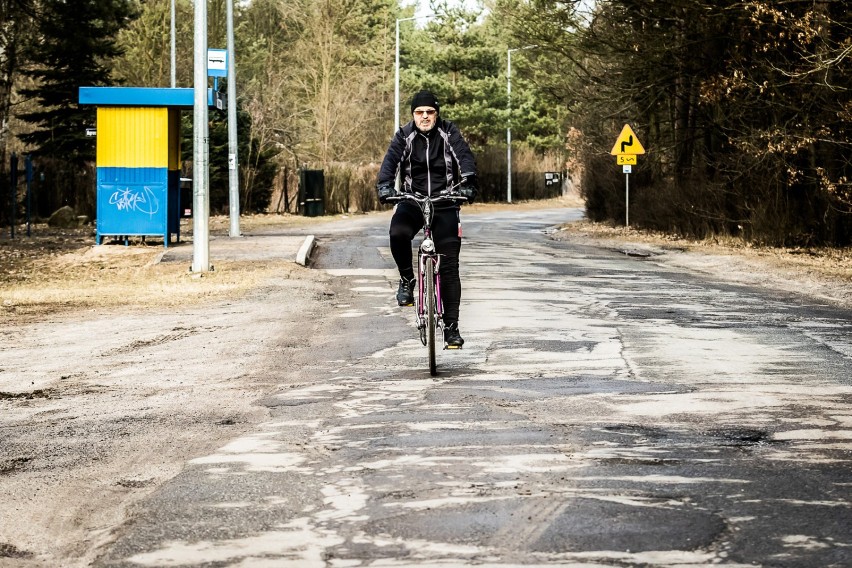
{"points": [[38, 393], [11, 551], [743, 437], [10, 465], [638, 430], [134, 483], [634, 252]]}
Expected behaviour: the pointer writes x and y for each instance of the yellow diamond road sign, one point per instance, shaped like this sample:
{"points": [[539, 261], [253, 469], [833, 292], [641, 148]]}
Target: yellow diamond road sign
{"points": [[627, 143]]}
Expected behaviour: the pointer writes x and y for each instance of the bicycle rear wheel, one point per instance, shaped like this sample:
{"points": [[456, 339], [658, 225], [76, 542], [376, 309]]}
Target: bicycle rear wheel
{"points": [[430, 314]]}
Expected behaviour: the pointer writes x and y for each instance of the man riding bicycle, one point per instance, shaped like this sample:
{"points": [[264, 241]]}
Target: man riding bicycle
{"points": [[432, 157]]}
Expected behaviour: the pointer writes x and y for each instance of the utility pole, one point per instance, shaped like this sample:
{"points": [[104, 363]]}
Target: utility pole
{"points": [[200, 161], [509, 120], [396, 70], [233, 163], [396, 81], [174, 69], [509, 126]]}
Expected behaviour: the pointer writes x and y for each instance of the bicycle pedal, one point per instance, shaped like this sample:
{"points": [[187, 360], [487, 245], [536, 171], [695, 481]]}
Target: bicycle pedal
{"points": [[452, 347]]}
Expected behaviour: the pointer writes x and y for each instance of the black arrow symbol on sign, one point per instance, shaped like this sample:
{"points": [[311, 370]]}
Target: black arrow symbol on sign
{"points": [[628, 142]]}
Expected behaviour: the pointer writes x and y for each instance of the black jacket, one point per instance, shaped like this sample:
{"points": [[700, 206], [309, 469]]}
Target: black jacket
{"points": [[429, 162]]}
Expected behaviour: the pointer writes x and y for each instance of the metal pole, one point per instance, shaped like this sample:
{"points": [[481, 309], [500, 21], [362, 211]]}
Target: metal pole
{"points": [[509, 119], [13, 193], [509, 126], [233, 163], [200, 162], [396, 82], [396, 181], [28, 168], [396, 70], [174, 69], [626, 200]]}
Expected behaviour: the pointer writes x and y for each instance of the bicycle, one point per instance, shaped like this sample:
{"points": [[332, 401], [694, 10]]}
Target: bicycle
{"points": [[428, 307]]}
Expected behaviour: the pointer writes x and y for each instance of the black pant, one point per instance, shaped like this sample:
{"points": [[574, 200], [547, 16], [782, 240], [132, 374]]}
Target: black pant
{"points": [[406, 222]]}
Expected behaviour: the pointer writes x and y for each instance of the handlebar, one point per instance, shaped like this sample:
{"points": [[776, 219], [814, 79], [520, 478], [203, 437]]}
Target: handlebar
{"points": [[453, 197]]}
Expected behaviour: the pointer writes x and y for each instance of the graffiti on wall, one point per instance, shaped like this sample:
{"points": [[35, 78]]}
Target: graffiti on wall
{"points": [[135, 199]]}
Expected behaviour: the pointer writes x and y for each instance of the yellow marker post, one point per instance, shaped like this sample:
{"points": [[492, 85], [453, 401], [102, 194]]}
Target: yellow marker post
{"points": [[625, 150]]}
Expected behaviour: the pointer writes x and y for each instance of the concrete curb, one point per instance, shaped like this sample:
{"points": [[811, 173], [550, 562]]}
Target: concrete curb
{"points": [[305, 251]]}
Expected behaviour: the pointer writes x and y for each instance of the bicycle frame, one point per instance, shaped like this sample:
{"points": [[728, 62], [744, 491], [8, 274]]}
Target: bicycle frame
{"points": [[425, 251], [428, 263]]}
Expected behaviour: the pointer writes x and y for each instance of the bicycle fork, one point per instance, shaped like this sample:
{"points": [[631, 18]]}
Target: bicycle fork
{"points": [[427, 249]]}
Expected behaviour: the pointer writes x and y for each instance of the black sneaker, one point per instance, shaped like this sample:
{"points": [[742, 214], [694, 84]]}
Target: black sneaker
{"points": [[405, 293], [452, 337]]}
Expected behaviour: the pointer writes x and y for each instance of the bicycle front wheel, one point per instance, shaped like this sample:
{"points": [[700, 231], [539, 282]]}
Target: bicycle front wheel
{"points": [[430, 314]]}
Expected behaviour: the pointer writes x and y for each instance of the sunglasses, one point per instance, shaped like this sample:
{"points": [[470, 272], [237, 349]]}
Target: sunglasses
{"points": [[430, 112]]}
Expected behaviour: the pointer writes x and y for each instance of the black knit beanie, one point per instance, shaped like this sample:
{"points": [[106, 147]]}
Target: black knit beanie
{"points": [[425, 98]]}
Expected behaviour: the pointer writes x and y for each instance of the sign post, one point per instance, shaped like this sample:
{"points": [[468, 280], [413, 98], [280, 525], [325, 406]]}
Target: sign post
{"points": [[28, 172], [625, 150], [13, 194]]}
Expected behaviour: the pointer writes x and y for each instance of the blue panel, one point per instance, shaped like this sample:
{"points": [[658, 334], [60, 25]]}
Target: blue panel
{"points": [[132, 201], [132, 175], [141, 96]]}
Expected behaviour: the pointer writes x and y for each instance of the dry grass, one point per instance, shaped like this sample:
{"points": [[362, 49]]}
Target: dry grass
{"points": [[120, 281], [60, 270], [831, 265], [570, 201]]}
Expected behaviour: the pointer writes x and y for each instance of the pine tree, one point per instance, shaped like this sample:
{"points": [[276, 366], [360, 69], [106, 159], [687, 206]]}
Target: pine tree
{"points": [[77, 42]]}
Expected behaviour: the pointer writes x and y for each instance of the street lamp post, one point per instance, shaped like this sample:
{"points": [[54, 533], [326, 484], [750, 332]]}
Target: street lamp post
{"points": [[509, 120], [200, 147], [396, 78], [233, 158], [396, 69], [172, 51]]}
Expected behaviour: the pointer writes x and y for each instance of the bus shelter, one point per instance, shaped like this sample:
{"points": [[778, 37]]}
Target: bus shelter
{"points": [[138, 159]]}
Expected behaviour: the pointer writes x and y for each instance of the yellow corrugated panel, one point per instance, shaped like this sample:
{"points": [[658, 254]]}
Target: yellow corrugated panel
{"points": [[133, 137]]}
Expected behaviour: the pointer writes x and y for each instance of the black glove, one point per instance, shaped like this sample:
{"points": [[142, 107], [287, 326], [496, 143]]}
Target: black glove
{"points": [[468, 187], [385, 192]]}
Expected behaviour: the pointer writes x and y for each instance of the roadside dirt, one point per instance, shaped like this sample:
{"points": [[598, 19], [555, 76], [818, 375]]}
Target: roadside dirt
{"points": [[116, 369], [820, 273]]}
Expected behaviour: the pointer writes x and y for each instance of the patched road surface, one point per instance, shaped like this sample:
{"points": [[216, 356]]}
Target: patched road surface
{"points": [[607, 410]]}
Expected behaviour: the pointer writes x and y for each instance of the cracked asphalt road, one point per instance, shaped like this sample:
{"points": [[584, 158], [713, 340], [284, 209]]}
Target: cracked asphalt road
{"points": [[607, 410]]}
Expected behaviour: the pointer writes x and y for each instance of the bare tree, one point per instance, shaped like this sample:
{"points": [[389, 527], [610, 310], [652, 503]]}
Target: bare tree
{"points": [[16, 22], [744, 107]]}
